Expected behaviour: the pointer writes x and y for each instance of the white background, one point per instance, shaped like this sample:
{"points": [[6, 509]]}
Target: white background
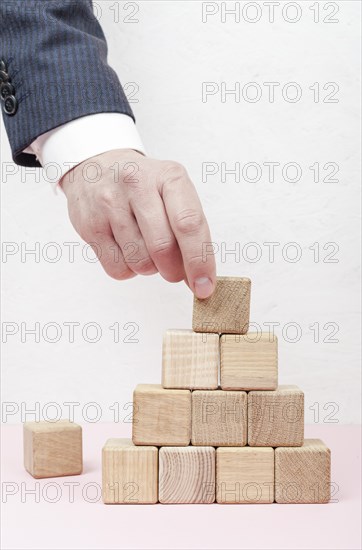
{"points": [[169, 53]]}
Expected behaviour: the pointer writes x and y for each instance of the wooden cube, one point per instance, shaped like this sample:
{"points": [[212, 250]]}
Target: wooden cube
{"points": [[244, 475], [53, 449], [303, 474], [190, 360], [249, 362], [276, 418], [129, 473], [226, 310], [187, 475], [160, 416], [219, 418]]}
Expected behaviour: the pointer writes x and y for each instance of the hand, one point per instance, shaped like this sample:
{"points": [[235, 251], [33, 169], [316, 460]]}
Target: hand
{"points": [[141, 216]]}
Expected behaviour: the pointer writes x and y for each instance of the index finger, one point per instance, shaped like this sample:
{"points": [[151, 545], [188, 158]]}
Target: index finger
{"points": [[191, 230]]}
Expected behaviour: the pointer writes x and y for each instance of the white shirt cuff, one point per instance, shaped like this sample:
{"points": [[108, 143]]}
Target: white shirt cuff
{"points": [[83, 138]]}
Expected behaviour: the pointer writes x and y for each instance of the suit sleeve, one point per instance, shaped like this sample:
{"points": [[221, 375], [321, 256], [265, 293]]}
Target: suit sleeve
{"points": [[53, 69]]}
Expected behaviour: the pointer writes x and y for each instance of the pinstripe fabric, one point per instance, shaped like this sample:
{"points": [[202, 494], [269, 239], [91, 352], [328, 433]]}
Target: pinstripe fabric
{"points": [[56, 55]]}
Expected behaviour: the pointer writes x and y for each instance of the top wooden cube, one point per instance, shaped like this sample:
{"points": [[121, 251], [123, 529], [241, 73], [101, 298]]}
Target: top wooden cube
{"points": [[227, 310]]}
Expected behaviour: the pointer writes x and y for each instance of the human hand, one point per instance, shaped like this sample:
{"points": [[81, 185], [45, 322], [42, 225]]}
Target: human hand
{"points": [[141, 216]]}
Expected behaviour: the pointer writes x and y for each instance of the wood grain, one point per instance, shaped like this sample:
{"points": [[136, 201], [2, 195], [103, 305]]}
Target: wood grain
{"points": [[161, 416], [129, 473], [276, 418], [190, 360], [187, 475], [227, 310], [52, 449], [303, 474], [219, 418], [244, 475], [249, 362]]}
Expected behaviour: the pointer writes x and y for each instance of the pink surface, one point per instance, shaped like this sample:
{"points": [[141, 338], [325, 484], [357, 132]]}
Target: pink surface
{"points": [[79, 523]]}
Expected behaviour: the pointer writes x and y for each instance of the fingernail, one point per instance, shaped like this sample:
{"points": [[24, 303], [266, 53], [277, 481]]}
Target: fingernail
{"points": [[203, 287]]}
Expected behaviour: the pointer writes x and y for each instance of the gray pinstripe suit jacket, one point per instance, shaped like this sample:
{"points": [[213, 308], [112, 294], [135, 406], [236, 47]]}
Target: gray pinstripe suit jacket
{"points": [[55, 55]]}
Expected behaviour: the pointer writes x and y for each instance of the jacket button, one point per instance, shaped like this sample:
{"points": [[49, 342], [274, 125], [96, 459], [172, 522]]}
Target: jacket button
{"points": [[2, 65], [10, 105], [6, 89], [4, 77]]}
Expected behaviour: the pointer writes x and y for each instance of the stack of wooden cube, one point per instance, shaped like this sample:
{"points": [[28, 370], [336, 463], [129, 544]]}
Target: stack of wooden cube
{"points": [[219, 428]]}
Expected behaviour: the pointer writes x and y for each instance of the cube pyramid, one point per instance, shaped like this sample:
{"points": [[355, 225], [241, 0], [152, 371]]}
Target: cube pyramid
{"points": [[219, 428]]}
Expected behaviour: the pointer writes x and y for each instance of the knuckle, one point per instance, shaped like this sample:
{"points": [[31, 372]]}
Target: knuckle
{"points": [[121, 275], [188, 221], [162, 247], [107, 197], [174, 277], [133, 183], [173, 172], [144, 265], [131, 176], [118, 272]]}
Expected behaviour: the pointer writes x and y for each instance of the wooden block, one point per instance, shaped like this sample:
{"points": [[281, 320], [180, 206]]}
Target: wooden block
{"points": [[53, 449], [160, 416], [249, 362], [187, 475], [303, 474], [226, 310], [219, 418], [244, 475], [190, 360], [129, 473], [276, 418]]}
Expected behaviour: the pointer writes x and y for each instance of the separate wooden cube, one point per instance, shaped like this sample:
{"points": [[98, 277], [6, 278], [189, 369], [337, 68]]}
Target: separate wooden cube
{"points": [[187, 475], [227, 310], [303, 474], [160, 416], [244, 475], [249, 362], [190, 360], [129, 473], [219, 418], [53, 449], [276, 418]]}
